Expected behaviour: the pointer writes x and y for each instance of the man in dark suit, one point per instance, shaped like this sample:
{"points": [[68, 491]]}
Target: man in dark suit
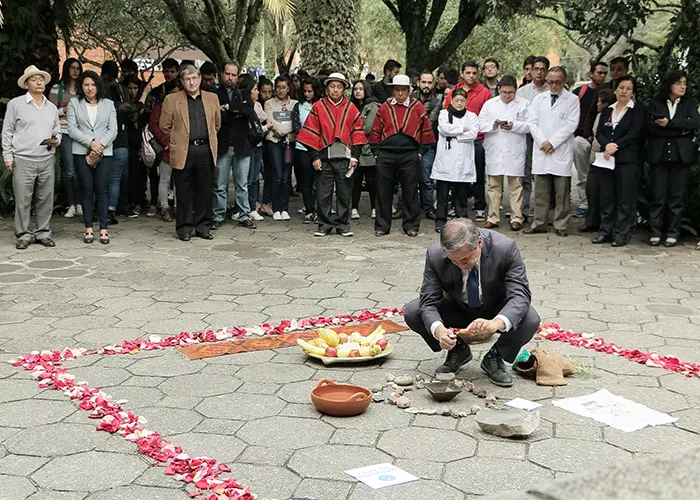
{"points": [[474, 279]]}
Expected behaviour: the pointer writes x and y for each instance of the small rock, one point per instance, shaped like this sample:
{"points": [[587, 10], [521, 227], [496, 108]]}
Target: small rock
{"points": [[446, 412], [459, 383], [399, 391], [491, 399], [509, 422], [403, 402], [378, 397], [428, 411], [389, 377], [444, 377], [403, 380], [481, 393], [420, 378], [492, 404], [378, 388], [408, 388], [412, 410], [462, 414], [475, 409], [420, 384]]}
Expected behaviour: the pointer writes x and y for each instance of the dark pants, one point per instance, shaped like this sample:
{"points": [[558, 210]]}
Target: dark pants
{"points": [[457, 316], [427, 186], [254, 178], [267, 171], [593, 197], [460, 198], [369, 174], [406, 166], [281, 176], [137, 179], [305, 179], [526, 180], [95, 188], [670, 181], [154, 178], [618, 194], [194, 189], [479, 188], [333, 174]]}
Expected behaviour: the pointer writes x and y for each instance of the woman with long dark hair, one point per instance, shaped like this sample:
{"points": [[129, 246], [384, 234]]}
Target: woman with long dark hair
{"points": [[672, 120], [363, 99], [310, 93], [92, 124], [249, 90], [61, 94]]}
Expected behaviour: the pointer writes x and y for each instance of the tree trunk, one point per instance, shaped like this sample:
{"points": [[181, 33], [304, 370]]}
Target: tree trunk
{"points": [[28, 37], [328, 35]]}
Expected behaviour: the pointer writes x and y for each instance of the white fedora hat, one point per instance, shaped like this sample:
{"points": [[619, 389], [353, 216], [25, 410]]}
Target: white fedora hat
{"points": [[336, 77], [401, 81], [30, 72]]}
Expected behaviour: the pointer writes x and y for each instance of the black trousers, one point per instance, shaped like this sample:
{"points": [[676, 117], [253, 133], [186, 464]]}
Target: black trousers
{"points": [[457, 316], [405, 166], [333, 174], [369, 175], [460, 199], [593, 197], [479, 188], [194, 189], [305, 179], [618, 201], [137, 178], [670, 181]]}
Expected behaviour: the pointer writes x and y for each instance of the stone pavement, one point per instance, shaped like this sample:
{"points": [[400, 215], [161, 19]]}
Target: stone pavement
{"points": [[253, 411]]}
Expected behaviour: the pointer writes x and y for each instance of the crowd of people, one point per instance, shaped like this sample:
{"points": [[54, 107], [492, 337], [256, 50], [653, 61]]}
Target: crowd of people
{"points": [[421, 148]]}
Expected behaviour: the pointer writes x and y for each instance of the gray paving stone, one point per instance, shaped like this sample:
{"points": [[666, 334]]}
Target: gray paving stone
{"points": [[584, 432], [199, 385], [421, 468], [93, 469], [44, 494], [136, 397], [563, 457], [15, 487], [650, 439], [329, 461], [33, 412], [100, 376], [16, 390], [507, 450], [378, 417], [20, 465], [140, 492], [266, 481], [223, 448], [419, 443], [476, 475], [265, 456], [355, 437], [240, 406], [169, 421], [418, 489], [169, 364], [274, 373], [55, 440], [285, 432], [319, 489], [297, 392]]}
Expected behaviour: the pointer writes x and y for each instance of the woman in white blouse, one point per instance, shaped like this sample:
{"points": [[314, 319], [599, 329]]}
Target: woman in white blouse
{"points": [[454, 167]]}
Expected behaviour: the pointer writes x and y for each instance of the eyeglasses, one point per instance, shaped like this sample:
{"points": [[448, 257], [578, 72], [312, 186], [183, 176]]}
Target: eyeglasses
{"points": [[555, 82], [507, 92]]}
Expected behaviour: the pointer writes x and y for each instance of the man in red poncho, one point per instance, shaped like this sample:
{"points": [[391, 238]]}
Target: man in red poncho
{"points": [[400, 134], [334, 136]]}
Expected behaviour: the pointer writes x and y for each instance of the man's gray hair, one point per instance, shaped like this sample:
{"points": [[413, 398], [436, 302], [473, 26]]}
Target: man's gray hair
{"points": [[558, 69], [188, 69], [457, 233]]}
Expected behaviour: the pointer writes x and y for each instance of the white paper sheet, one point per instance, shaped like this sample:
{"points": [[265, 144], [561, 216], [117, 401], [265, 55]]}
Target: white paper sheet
{"points": [[601, 162], [381, 475], [522, 404], [615, 411]]}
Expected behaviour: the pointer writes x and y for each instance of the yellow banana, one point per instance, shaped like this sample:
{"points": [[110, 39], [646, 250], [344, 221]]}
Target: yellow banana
{"points": [[329, 336], [310, 348], [365, 350]]}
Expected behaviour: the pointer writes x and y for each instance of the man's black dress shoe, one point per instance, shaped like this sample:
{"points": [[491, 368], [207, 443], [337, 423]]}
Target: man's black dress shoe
{"points": [[561, 232], [600, 239], [619, 243], [183, 238], [458, 356], [530, 230], [380, 233], [205, 236], [412, 233], [495, 368]]}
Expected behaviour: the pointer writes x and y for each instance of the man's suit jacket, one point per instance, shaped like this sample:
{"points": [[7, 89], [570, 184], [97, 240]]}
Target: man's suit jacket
{"points": [[504, 286], [175, 124], [686, 119], [235, 128]]}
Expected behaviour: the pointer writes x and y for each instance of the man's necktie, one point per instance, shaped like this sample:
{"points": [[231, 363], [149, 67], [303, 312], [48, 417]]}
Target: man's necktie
{"points": [[554, 98], [473, 299]]}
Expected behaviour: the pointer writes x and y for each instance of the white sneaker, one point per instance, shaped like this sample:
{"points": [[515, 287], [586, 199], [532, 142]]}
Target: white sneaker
{"points": [[285, 216], [234, 216], [152, 211], [256, 216], [354, 214], [70, 213], [78, 210], [374, 213], [302, 211], [278, 216]]}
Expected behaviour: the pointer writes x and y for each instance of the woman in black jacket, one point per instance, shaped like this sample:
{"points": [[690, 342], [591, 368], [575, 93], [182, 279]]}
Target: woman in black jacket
{"points": [[671, 125], [619, 130]]}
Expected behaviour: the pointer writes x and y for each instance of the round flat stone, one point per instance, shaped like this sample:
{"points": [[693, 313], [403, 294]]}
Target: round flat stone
{"points": [[240, 406], [561, 456], [329, 461], [91, 471], [55, 440], [476, 475], [286, 432], [419, 443]]}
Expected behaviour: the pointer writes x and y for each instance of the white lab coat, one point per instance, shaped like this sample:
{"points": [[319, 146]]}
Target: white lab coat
{"points": [[505, 149], [557, 125], [454, 160]]}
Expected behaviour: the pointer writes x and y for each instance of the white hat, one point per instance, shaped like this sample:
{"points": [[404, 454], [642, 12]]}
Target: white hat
{"points": [[401, 81], [30, 72], [336, 77]]}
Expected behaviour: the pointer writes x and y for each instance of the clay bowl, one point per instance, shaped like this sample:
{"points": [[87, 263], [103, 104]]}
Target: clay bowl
{"points": [[340, 400], [443, 391]]}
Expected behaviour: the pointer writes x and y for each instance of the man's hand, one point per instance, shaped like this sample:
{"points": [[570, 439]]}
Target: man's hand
{"points": [[547, 147], [508, 126], [446, 337], [496, 124], [353, 164], [53, 142], [10, 165], [480, 326], [317, 165], [662, 122]]}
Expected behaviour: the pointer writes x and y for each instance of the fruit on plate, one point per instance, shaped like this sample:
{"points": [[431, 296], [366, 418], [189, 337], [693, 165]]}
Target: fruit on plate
{"points": [[310, 348], [343, 337], [329, 336], [382, 343], [331, 352], [330, 343]]}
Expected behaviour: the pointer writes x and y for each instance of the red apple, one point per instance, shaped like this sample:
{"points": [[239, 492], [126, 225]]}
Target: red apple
{"points": [[382, 343], [355, 353], [331, 352]]}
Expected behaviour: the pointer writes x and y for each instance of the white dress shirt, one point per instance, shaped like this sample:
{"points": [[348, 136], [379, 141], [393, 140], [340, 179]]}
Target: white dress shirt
{"points": [[616, 116], [672, 106]]}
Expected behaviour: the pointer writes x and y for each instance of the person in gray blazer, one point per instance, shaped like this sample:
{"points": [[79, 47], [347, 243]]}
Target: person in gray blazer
{"points": [[474, 279], [92, 124]]}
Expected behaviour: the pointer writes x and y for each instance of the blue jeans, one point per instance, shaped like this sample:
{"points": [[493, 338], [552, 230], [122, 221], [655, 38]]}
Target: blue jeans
{"points": [[254, 178], [427, 189], [281, 177], [95, 183], [240, 166], [120, 158], [70, 179]]}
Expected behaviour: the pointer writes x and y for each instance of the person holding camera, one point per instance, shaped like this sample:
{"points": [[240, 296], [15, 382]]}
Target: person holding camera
{"points": [[504, 121]]}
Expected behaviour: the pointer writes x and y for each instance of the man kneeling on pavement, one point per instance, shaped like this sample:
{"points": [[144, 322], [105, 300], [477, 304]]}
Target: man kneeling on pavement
{"points": [[474, 279]]}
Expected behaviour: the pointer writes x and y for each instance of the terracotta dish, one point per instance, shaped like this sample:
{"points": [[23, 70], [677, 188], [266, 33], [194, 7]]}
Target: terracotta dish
{"points": [[340, 400]]}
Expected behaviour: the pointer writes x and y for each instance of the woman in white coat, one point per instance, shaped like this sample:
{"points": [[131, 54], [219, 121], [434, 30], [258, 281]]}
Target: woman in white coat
{"points": [[454, 167], [504, 121]]}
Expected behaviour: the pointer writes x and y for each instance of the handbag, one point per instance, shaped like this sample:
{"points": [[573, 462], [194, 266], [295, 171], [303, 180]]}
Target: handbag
{"points": [[257, 131]]}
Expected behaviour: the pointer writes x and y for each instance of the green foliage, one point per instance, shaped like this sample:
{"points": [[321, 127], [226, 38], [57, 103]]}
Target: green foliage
{"points": [[380, 36]]}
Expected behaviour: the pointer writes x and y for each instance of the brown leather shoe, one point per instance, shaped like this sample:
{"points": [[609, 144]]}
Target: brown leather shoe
{"points": [[516, 226], [47, 242], [167, 216], [489, 225]]}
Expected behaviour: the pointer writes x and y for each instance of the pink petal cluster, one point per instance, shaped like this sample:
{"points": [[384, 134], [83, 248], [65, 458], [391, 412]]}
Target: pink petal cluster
{"points": [[653, 359]]}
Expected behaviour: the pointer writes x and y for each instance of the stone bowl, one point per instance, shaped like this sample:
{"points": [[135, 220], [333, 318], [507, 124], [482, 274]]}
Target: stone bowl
{"points": [[443, 391], [340, 400]]}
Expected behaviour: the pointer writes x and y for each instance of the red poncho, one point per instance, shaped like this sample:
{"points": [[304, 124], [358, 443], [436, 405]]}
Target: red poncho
{"points": [[328, 123], [410, 120]]}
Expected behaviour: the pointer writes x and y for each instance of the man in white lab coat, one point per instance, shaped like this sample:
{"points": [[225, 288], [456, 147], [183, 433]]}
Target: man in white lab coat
{"points": [[553, 118], [504, 121]]}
